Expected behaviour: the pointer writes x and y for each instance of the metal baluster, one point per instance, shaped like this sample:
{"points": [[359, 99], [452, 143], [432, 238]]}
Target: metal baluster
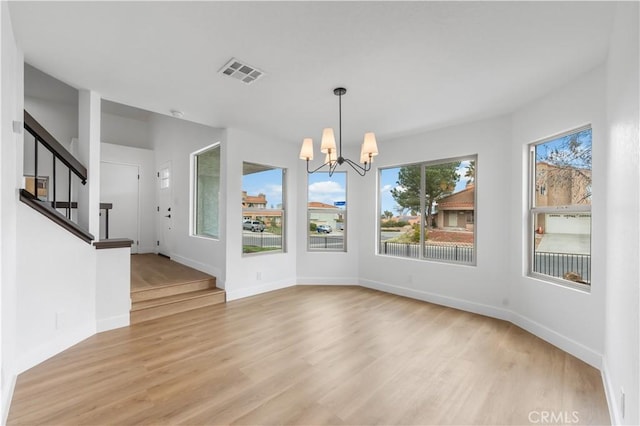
{"points": [[35, 169], [54, 181], [106, 224], [69, 198]]}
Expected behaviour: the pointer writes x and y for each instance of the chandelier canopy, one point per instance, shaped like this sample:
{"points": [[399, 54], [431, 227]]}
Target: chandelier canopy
{"points": [[334, 157]]}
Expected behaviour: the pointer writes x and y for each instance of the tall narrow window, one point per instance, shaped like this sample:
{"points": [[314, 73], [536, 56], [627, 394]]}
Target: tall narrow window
{"points": [[263, 208], [427, 210], [327, 213], [206, 166], [560, 208]]}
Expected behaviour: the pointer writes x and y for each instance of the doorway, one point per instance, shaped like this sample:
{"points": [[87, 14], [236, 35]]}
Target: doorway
{"points": [[119, 186]]}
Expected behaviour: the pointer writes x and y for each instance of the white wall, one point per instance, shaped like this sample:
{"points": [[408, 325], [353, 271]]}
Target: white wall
{"points": [[570, 319], [11, 106], [481, 288], [277, 270], [622, 321], [145, 160], [59, 118], [113, 288], [174, 140], [56, 275], [127, 131], [327, 268]]}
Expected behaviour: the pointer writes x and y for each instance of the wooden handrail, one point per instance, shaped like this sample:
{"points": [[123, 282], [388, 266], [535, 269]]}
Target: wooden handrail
{"points": [[47, 210], [56, 148], [74, 205], [113, 243]]}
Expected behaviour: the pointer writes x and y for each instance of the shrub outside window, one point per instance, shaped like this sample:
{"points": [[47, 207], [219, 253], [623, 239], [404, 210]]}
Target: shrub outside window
{"points": [[263, 208], [326, 211], [427, 210], [206, 191], [560, 208]]}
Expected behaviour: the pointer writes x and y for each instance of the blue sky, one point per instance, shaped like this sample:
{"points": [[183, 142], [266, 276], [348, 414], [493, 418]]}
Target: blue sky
{"points": [[268, 182], [321, 187], [564, 155], [327, 189]]}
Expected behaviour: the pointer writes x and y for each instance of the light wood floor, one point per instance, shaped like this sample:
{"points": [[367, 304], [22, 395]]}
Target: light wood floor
{"points": [[311, 355], [151, 270]]}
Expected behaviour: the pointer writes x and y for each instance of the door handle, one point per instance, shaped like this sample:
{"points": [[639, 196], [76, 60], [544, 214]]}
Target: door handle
{"points": [[169, 216]]}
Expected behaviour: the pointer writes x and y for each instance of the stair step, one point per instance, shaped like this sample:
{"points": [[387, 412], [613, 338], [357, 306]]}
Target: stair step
{"points": [[172, 289], [146, 310]]}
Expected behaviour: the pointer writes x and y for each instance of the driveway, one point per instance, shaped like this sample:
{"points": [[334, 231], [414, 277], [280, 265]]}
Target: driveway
{"points": [[565, 243]]}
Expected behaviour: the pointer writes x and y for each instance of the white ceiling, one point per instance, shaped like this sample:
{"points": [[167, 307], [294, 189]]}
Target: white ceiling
{"points": [[407, 66]]}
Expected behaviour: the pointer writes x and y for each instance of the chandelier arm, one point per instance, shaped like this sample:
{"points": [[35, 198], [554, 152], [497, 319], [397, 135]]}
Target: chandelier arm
{"points": [[317, 168], [357, 167]]}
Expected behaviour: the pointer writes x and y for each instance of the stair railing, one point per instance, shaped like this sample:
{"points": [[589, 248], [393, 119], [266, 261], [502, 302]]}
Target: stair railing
{"points": [[60, 155]]}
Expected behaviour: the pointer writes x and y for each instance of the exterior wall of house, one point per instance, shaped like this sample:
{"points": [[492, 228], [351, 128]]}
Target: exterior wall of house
{"points": [[570, 319], [622, 319]]}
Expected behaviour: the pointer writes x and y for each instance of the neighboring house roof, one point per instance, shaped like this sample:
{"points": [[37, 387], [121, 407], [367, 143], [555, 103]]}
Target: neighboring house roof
{"points": [[253, 199], [463, 200], [319, 205]]}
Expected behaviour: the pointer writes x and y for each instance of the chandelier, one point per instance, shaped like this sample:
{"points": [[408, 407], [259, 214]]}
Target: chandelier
{"points": [[334, 158]]}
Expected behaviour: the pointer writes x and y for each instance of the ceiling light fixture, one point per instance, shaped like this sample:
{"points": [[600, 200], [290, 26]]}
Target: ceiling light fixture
{"points": [[368, 150]]}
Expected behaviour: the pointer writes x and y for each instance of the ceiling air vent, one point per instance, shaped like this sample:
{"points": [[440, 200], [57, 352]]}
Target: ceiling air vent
{"points": [[241, 71]]}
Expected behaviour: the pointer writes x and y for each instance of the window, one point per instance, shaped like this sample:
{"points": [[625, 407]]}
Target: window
{"points": [[327, 214], [560, 208], [427, 210], [206, 166], [263, 208]]}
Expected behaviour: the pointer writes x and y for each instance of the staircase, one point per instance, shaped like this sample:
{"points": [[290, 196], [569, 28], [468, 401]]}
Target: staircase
{"points": [[178, 296]]}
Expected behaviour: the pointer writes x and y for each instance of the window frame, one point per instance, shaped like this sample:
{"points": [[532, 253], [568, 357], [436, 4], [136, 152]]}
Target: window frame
{"points": [[193, 216], [259, 210], [533, 210], [343, 212], [421, 248]]}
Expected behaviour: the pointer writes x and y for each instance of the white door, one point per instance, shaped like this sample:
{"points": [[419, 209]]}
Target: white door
{"points": [[165, 220], [119, 187], [453, 218]]}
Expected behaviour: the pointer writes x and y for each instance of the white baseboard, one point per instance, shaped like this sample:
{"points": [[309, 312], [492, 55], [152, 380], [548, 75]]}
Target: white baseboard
{"points": [[258, 289], [112, 323], [7, 396], [565, 343], [55, 346], [464, 305], [610, 393], [207, 269], [328, 281], [561, 341]]}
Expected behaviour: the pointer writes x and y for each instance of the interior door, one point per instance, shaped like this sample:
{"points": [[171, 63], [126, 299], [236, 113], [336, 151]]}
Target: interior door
{"points": [[165, 220], [119, 186]]}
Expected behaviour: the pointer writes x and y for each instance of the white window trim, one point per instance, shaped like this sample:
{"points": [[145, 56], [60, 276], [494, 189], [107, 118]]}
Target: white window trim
{"points": [[344, 213], [259, 211], [533, 210], [193, 196], [423, 165]]}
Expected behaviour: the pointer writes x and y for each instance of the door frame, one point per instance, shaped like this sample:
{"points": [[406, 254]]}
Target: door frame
{"points": [[136, 243], [163, 249]]}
